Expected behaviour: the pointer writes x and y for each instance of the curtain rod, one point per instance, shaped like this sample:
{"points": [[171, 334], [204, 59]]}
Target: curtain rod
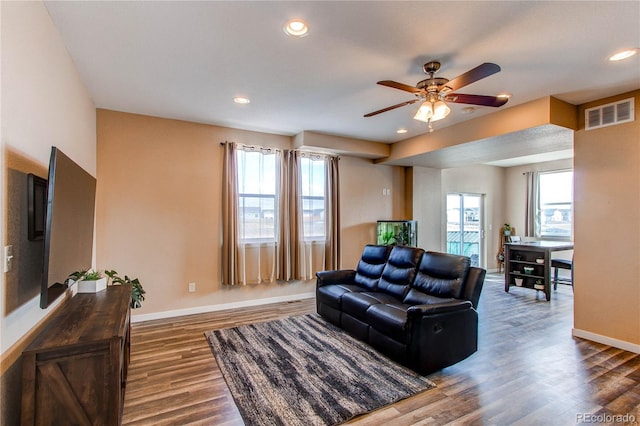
{"points": [[256, 147], [252, 147]]}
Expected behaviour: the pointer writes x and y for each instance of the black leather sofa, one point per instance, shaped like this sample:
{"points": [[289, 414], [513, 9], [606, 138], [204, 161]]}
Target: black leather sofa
{"points": [[417, 307]]}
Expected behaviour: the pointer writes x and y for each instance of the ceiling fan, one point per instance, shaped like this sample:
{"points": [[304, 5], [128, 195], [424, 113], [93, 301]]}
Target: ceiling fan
{"points": [[434, 92]]}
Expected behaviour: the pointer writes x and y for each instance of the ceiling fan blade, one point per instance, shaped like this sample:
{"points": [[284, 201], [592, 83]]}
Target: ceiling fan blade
{"points": [[391, 107], [471, 76], [483, 100], [401, 86]]}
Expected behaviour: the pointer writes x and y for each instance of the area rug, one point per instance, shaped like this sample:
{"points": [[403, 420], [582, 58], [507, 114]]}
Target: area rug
{"points": [[305, 371]]}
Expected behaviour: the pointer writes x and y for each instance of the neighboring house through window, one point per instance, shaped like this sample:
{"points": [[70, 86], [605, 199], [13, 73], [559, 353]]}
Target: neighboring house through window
{"points": [[312, 185], [257, 195], [555, 204]]}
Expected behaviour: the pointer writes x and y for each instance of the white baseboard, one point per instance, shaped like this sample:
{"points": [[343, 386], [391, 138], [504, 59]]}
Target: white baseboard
{"points": [[220, 307], [621, 344]]}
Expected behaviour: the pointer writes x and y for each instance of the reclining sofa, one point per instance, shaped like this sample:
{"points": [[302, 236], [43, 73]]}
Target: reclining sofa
{"points": [[416, 307]]}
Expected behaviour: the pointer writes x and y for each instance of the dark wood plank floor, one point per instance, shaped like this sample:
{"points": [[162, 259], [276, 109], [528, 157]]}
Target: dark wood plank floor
{"points": [[529, 370]]}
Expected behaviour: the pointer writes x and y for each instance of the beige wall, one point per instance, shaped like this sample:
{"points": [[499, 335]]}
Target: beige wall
{"points": [[488, 181], [158, 208], [607, 229], [539, 112], [43, 103], [363, 203], [425, 203]]}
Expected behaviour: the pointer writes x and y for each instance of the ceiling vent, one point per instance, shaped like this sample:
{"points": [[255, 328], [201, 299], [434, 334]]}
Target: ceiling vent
{"points": [[609, 114]]}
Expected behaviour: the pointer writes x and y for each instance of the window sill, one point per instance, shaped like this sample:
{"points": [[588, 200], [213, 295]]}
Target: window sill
{"points": [[257, 243]]}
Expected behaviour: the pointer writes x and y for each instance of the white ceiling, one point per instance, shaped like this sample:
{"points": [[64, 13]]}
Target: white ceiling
{"points": [[187, 60]]}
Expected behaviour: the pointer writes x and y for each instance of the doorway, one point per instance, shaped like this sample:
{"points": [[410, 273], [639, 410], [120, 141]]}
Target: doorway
{"points": [[465, 229]]}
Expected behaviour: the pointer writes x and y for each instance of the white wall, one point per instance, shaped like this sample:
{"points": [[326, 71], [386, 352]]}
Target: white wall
{"points": [[44, 103]]}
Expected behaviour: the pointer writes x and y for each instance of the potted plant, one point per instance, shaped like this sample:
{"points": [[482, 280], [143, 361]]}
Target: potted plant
{"points": [[507, 229], [88, 281], [93, 281], [137, 293]]}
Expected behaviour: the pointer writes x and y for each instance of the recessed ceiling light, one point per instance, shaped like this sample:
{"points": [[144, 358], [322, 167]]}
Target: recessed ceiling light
{"points": [[241, 100], [623, 54], [401, 131], [296, 27]]}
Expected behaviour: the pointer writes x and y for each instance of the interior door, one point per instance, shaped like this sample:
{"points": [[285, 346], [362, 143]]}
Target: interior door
{"points": [[465, 230]]}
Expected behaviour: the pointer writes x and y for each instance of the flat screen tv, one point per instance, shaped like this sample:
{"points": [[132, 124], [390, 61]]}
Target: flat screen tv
{"points": [[68, 230]]}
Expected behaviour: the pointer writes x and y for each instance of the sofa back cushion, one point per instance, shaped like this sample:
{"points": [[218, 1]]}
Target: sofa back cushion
{"points": [[400, 270], [370, 266], [442, 275]]}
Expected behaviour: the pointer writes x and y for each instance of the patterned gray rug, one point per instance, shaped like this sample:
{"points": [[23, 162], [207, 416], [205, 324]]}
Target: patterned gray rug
{"points": [[305, 371]]}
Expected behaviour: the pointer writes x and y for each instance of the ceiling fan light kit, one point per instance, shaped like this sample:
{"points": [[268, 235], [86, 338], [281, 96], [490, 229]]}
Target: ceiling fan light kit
{"points": [[432, 111], [434, 92]]}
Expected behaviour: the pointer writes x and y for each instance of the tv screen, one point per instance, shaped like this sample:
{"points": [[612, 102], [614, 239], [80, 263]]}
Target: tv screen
{"points": [[68, 232]]}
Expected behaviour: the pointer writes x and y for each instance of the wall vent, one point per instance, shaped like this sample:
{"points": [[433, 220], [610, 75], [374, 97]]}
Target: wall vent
{"points": [[609, 114]]}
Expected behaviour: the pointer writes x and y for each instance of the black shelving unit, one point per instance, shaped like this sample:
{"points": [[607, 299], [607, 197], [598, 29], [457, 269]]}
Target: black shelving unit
{"points": [[536, 276]]}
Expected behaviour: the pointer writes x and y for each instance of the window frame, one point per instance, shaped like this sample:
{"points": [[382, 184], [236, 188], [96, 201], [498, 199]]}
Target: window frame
{"points": [[540, 210], [245, 195], [302, 198]]}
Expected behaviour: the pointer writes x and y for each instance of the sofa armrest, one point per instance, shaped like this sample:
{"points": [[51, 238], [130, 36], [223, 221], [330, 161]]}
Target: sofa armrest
{"points": [[438, 308], [343, 276], [473, 285]]}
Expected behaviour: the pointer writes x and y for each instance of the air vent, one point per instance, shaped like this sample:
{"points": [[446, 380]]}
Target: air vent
{"points": [[609, 114]]}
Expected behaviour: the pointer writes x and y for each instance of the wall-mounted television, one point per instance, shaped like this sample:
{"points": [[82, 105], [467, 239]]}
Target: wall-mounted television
{"points": [[68, 231]]}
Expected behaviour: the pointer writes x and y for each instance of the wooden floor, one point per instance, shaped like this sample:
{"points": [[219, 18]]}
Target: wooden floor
{"points": [[528, 370]]}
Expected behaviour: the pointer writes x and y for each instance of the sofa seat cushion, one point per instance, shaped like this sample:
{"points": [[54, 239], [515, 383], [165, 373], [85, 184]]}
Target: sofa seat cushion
{"points": [[331, 295], [415, 297], [391, 320], [357, 303]]}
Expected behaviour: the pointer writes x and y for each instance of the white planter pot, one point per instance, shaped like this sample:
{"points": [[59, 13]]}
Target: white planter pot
{"points": [[92, 286]]}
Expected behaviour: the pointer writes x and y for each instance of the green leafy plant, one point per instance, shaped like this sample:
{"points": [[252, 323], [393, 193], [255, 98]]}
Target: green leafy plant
{"points": [[137, 293], [388, 237], [89, 275], [507, 227]]}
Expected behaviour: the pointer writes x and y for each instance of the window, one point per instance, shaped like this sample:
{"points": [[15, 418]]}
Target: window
{"points": [[257, 195], [312, 183], [555, 201]]}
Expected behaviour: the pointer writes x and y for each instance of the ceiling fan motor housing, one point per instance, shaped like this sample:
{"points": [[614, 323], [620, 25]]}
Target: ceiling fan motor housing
{"points": [[432, 84]]}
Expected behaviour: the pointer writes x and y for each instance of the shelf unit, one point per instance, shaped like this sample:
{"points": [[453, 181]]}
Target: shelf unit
{"points": [[519, 257], [504, 239]]}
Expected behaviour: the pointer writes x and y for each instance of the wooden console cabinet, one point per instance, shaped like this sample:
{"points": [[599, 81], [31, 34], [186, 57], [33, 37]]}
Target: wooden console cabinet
{"points": [[75, 371]]}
